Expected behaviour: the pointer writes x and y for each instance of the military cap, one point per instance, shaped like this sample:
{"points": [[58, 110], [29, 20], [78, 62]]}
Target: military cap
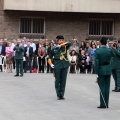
{"points": [[59, 37]]}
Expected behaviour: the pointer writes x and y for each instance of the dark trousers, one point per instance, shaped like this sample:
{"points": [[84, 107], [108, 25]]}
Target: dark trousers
{"points": [[28, 65], [104, 85], [19, 66], [72, 68], [41, 64], [82, 68], [60, 80], [116, 76], [13, 62]]}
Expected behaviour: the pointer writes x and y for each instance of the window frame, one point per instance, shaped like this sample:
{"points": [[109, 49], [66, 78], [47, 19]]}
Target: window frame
{"points": [[32, 33], [105, 19]]}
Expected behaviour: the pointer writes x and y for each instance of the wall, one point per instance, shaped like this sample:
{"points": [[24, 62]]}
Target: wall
{"points": [[94, 6]]}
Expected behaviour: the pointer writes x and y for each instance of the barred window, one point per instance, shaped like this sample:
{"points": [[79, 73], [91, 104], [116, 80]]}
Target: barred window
{"points": [[32, 25], [101, 27]]}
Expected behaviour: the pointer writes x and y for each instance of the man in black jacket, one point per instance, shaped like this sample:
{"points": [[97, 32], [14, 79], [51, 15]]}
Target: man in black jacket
{"points": [[2, 51], [28, 56]]}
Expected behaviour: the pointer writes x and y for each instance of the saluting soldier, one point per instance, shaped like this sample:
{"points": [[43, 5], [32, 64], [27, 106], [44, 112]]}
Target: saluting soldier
{"points": [[59, 61], [115, 63], [103, 70]]}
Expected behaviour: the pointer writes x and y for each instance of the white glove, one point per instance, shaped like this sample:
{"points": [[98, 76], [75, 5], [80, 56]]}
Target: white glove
{"points": [[96, 75], [52, 66], [58, 46]]}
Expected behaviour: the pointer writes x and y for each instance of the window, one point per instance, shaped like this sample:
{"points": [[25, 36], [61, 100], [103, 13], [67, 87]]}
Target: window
{"points": [[32, 26], [101, 27]]}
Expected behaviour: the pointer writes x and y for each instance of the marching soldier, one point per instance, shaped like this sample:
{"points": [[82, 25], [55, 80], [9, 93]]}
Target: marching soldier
{"points": [[115, 63], [103, 70], [59, 62]]}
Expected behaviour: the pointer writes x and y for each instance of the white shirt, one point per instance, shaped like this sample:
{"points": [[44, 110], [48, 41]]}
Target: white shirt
{"points": [[72, 58], [27, 51], [88, 60], [33, 46]]}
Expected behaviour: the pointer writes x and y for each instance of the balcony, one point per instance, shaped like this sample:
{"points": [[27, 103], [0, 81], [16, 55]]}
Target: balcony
{"points": [[89, 6]]}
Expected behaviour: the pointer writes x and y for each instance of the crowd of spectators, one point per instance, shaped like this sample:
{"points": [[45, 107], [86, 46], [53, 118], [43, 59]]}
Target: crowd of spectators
{"points": [[80, 55]]}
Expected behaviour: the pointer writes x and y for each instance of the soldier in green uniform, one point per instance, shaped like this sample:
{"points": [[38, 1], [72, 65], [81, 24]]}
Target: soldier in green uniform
{"points": [[59, 61], [115, 64], [19, 53], [103, 70]]}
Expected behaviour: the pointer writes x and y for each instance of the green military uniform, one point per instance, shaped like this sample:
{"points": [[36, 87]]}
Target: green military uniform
{"points": [[19, 53], [115, 64], [103, 70], [61, 63]]}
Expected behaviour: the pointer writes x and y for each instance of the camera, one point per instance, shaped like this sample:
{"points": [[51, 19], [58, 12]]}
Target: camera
{"points": [[114, 45], [17, 44]]}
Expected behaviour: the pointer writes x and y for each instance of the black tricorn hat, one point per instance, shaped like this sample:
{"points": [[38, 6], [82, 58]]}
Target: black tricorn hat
{"points": [[59, 37]]}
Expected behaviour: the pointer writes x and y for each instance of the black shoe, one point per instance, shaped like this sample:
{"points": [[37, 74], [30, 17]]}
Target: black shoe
{"points": [[21, 75], [101, 107], [114, 90], [117, 90], [16, 75], [30, 71], [62, 98], [58, 98]]}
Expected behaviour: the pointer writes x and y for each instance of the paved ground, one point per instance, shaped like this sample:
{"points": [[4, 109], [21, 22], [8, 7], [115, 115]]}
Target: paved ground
{"points": [[33, 97]]}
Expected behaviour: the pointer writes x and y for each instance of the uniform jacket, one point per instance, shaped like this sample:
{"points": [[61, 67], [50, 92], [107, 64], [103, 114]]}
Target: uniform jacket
{"points": [[56, 54], [19, 52], [102, 61], [115, 61]]}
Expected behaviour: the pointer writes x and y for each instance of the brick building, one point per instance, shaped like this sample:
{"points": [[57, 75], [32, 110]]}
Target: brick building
{"points": [[72, 18]]}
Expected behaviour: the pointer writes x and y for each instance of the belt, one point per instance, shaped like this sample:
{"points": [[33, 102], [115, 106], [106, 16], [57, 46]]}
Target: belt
{"points": [[56, 59], [106, 63]]}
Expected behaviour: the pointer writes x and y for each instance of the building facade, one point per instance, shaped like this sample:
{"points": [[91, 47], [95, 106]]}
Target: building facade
{"points": [[82, 19]]}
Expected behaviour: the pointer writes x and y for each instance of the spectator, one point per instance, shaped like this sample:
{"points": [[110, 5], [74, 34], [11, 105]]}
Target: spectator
{"points": [[49, 53], [97, 44], [39, 44], [28, 57], [33, 45], [41, 58], [23, 43], [74, 47], [9, 56], [2, 52], [92, 43], [72, 59], [92, 52], [88, 63], [88, 48], [82, 47], [5, 42], [82, 61], [13, 45]]}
